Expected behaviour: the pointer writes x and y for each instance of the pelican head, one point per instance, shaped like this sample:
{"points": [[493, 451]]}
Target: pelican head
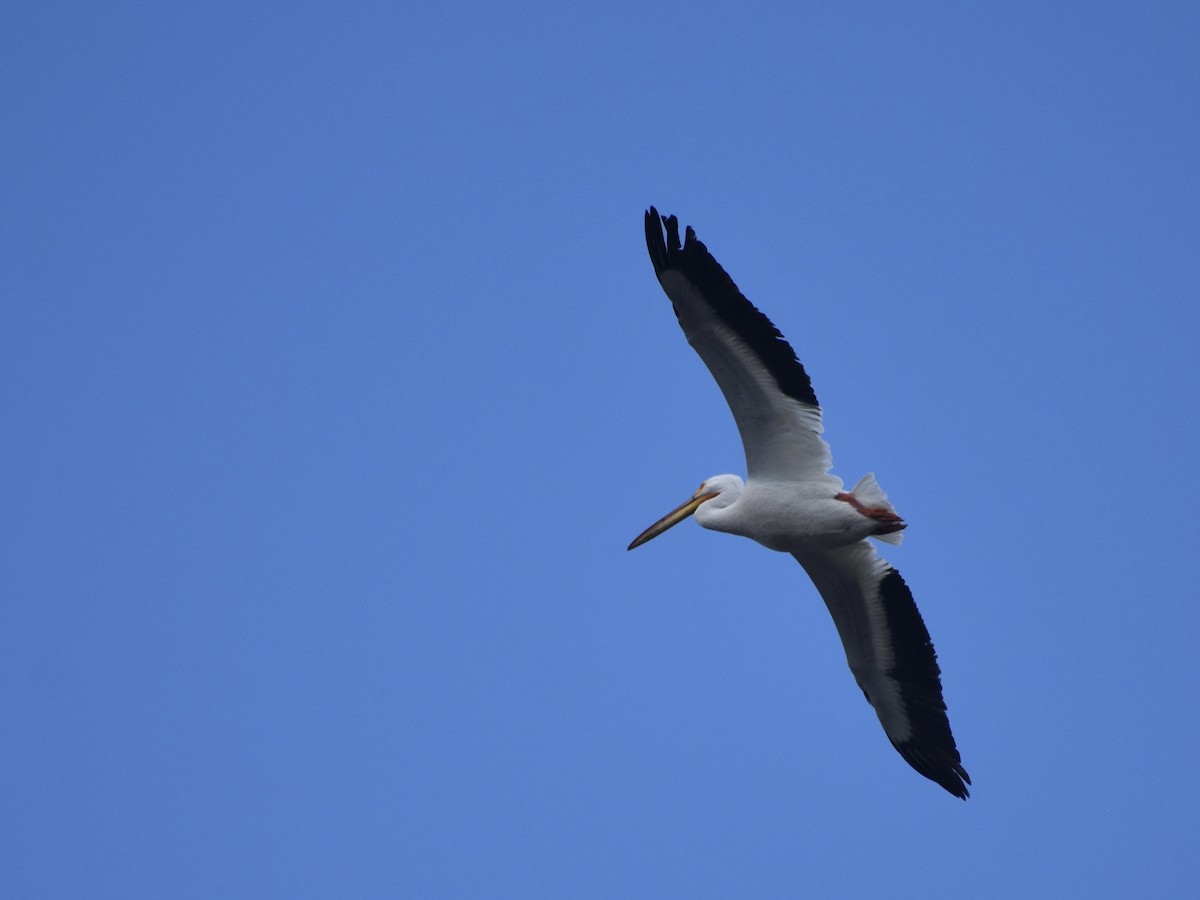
{"points": [[723, 489]]}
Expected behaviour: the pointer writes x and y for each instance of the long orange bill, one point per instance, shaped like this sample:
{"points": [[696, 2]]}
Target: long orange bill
{"points": [[671, 519]]}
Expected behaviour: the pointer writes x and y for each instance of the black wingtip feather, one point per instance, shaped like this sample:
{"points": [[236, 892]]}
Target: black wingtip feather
{"points": [[931, 750], [698, 266]]}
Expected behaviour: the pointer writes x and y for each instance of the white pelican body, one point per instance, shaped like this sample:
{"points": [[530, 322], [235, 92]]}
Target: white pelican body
{"points": [[791, 503], [791, 517]]}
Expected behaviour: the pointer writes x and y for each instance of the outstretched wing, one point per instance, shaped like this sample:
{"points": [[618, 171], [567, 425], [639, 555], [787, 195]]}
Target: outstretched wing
{"points": [[764, 384], [892, 658]]}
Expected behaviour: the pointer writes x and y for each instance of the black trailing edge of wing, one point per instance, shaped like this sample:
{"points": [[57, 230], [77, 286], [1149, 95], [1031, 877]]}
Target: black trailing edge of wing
{"points": [[697, 265], [931, 749]]}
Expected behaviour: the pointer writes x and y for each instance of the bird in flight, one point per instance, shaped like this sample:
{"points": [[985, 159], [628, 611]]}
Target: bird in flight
{"points": [[791, 503]]}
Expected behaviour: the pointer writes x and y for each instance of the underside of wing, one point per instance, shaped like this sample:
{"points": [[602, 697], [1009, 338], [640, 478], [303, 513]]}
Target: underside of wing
{"points": [[765, 385], [891, 655]]}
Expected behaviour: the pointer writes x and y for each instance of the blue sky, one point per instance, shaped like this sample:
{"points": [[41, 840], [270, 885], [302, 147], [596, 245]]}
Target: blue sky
{"points": [[336, 380]]}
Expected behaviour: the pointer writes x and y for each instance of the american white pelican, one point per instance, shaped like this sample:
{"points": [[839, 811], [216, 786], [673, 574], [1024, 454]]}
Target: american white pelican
{"points": [[790, 502]]}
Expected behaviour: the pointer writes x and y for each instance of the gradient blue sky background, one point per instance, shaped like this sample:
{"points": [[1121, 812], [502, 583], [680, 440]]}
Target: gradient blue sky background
{"points": [[336, 380]]}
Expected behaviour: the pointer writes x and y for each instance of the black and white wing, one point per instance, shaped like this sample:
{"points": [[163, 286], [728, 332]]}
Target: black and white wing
{"points": [[892, 658], [764, 383]]}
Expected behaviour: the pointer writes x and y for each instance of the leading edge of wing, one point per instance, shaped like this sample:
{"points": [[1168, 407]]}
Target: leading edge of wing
{"points": [[891, 656], [697, 266]]}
